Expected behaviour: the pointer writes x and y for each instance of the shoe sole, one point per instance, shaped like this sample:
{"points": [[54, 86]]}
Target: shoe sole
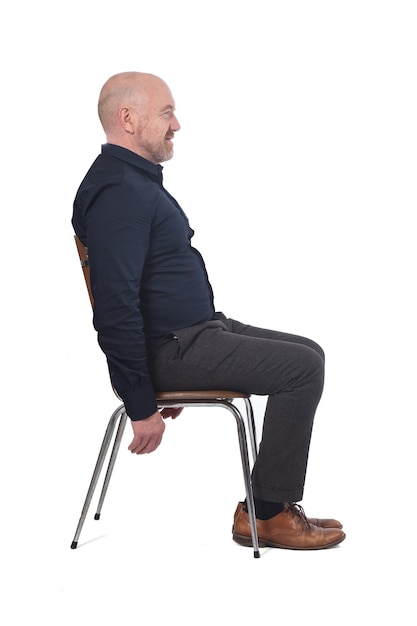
{"points": [[247, 542]]}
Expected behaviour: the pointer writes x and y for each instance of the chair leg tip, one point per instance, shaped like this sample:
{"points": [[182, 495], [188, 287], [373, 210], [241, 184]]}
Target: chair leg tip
{"points": [[74, 545], [256, 554], [97, 516]]}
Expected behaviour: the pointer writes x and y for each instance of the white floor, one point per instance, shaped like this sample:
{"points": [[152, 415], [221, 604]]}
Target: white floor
{"points": [[162, 550]]}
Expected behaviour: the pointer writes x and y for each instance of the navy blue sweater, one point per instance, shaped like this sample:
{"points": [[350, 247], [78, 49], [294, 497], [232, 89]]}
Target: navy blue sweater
{"points": [[146, 278]]}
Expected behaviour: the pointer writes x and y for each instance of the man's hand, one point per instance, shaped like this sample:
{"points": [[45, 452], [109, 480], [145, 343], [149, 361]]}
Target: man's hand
{"points": [[147, 434]]}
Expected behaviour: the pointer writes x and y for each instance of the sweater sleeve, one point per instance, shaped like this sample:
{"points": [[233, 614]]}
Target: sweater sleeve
{"points": [[117, 237]]}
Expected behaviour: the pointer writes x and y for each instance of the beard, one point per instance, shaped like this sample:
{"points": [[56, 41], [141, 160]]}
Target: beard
{"points": [[159, 152]]}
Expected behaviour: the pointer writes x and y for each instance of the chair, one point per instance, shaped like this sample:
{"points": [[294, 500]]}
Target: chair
{"points": [[177, 399]]}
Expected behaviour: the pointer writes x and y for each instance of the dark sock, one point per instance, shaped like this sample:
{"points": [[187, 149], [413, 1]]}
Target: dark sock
{"points": [[265, 509]]}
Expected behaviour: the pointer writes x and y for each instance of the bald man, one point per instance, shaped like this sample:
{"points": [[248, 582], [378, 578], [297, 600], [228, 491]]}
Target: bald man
{"points": [[156, 322]]}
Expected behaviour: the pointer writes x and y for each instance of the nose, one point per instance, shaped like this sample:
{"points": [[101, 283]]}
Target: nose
{"points": [[175, 125]]}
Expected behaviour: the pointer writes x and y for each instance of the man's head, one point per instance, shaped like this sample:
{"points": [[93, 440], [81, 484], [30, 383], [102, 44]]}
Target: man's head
{"points": [[137, 112]]}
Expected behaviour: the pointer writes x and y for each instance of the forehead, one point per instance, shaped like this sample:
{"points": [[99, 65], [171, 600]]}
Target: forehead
{"points": [[159, 96]]}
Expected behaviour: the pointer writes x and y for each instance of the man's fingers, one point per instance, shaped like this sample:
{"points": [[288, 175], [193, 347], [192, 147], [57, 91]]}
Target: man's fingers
{"points": [[144, 445], [170, 412]]}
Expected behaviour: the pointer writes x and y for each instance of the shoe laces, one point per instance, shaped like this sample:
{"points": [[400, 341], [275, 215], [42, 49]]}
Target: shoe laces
{"points": [[297, 511]]}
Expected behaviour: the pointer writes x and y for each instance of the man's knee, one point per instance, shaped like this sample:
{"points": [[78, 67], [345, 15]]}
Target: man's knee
{"points": [[313, 365], [318, 349]]}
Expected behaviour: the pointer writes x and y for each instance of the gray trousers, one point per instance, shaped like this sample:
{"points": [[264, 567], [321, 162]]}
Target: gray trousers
{"points": [[226, 354]]}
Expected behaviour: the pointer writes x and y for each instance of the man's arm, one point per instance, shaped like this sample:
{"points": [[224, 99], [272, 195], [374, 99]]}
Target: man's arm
{"points": [[118, 233]]}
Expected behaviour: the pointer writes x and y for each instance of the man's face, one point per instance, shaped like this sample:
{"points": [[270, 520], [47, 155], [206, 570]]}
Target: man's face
{"points": [[156, 125]]}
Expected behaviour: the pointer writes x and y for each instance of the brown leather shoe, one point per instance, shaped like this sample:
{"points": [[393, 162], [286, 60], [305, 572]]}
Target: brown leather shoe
{"points": [[289, 529], [317, 521], [325, 522]]}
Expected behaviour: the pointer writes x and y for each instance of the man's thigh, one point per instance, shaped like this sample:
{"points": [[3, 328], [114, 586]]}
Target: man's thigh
{"points": [[265, 333], [231, 355]]}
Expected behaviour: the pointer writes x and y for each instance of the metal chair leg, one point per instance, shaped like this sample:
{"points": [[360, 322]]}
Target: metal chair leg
{"points": [[252, 428], [119, 413], [113, 457], [243, 444]]}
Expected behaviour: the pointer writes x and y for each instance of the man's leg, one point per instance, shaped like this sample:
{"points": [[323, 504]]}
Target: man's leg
{"points": [[288, 369]]}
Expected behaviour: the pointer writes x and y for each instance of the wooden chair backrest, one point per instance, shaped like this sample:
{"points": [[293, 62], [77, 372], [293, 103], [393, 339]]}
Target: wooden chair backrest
{"points": [[83, 254]]}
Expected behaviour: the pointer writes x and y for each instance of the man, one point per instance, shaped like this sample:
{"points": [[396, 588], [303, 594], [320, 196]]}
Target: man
{"points": [[156, 322]]}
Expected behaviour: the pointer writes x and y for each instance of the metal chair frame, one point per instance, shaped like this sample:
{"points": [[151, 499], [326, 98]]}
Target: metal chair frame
{"points": [[176, 399]]}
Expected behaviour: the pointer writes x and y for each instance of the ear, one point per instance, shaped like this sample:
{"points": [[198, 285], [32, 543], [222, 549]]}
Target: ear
{"points": [[126, 119]]}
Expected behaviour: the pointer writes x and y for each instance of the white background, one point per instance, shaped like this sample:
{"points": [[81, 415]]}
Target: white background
{"points": [[296, 164]]}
